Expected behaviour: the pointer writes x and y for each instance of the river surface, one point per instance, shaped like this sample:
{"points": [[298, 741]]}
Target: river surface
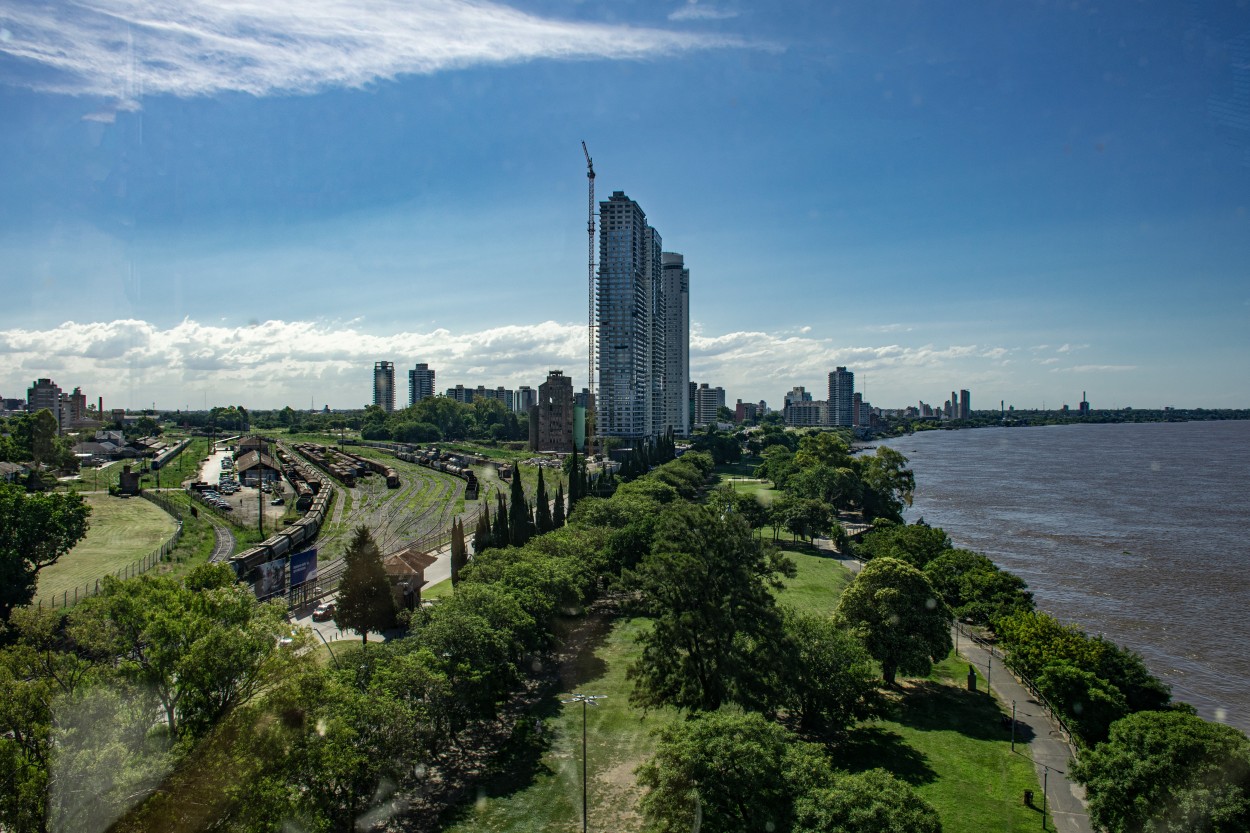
{"points": [[1134, 531]]}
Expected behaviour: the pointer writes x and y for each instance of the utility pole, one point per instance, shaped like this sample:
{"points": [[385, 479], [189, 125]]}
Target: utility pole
{"points": [[585, 700], [591, 324]]}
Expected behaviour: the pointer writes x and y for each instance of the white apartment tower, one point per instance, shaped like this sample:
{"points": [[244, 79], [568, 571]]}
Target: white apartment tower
{"points": [[420, 383], [842, 397], [675, 410]]}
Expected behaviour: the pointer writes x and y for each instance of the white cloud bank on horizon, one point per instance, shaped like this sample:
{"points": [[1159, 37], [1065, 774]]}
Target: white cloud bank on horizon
{"points": [[125, 49], [134, 363]]}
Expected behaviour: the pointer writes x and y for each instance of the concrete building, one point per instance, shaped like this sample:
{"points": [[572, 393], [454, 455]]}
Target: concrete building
{"points": [[44, 393], [675, 404], [525, 398], [841, 397], [384, 385], [624, 320], [420, 383], [460, 393], [551, 419], [806, 413], [746, 411], [965, 405], [707, 401]]}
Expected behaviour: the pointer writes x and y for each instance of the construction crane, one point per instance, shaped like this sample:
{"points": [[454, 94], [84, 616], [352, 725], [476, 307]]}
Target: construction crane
{"points": [[591, 401]]}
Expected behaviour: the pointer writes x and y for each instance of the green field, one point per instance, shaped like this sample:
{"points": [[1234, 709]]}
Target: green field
{"points": [[121, 531], [944, 740]]}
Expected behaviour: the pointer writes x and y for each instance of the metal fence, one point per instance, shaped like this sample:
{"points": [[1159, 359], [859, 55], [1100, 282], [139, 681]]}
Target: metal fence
{"points": [[1055, 716], [136, 568]]}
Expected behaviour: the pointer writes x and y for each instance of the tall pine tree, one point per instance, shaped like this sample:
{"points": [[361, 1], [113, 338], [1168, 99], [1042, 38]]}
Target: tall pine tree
{"points": [[575, 493], [519, 518], [365, 602], [482, 534], [557, 514], [542, 508], [502, 536], [459, 553]]}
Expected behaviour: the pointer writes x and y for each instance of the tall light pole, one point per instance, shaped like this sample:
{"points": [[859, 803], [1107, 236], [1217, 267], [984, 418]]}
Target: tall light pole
{"points": [[585, 700]]}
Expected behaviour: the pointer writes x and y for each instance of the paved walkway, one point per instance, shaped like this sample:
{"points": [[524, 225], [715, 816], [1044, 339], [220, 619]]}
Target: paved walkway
{"points": [[1065, 800]]}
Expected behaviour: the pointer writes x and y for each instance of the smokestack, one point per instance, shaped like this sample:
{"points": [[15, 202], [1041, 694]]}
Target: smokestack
{"points": [[101, 406]]}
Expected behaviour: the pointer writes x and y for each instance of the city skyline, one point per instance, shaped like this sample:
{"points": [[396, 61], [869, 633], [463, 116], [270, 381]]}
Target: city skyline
{"points": [[1028, 202]]}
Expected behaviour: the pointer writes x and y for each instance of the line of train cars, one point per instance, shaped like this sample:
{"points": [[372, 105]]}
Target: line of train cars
{"points": [[459, 465], [312, 497], [346, 467]]}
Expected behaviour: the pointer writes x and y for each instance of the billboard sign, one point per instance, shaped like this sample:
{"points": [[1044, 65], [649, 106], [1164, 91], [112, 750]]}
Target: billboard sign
{"points": [[303, 568], [272, 580]]}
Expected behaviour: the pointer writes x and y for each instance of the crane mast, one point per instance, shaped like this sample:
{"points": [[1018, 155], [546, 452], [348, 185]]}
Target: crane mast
{"points": [[591, 399]]}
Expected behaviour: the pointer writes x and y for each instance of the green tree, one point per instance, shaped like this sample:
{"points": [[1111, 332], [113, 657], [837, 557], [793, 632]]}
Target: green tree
{"points": [[975, 588], [519, 519], [887, 483], [543, 522], [866, 802], [459, 552], [35, 531], [903, 621], [729, 771], [830, 681], [365, 602], [481, 533], [1090, 703], [43, 433], [557, 514], [707, 583], [1168, 772], [917, 543]]}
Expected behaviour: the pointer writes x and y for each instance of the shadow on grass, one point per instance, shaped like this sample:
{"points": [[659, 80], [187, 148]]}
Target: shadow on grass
{"points": [[872, 747], [931, 706]]}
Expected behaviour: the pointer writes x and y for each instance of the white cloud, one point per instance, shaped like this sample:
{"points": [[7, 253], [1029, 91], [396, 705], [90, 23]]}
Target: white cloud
{"points": [[693, 11], [274, 363], [128, 48], [1096, 368]]}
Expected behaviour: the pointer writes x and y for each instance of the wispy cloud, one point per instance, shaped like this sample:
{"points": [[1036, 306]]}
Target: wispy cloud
{"points": [[128, 48], [693, 10], [1096, 368]]}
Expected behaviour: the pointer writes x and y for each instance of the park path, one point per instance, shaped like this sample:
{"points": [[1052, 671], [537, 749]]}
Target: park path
{"points": [[1047, 745]]}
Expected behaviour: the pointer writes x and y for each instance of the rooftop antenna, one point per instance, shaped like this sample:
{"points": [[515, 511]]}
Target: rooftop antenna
{"points": [[591, 401]]}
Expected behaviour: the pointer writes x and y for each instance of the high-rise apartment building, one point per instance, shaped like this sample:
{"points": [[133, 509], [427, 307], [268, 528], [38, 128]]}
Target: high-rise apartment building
{"points": [[841, 397], [643, 326], [965, 405], [420, 383], [384, 385], [707, 401], [675, 411], [44, 393]]}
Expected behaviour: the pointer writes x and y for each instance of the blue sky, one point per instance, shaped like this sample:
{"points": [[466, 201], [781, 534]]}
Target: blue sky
{"points": [[229, 203]]}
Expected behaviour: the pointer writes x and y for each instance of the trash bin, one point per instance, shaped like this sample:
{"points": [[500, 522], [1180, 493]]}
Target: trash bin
{"points": [[1028, 798]]}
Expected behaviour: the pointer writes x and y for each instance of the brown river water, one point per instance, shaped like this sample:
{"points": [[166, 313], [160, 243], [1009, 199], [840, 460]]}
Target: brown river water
{"points": [[1134, 531]]}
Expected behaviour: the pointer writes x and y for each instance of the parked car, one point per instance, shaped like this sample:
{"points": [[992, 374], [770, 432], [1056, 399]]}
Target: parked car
{"points": [[278, 501], [324, 612]]}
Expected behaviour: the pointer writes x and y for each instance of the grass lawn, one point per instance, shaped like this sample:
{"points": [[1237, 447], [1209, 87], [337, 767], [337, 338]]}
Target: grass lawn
{"points": [[438, 591], [536, 783], [819, 582], [121, 531], [949, 744]]}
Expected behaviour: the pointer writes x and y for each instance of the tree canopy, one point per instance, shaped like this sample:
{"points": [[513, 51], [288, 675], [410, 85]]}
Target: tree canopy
{"points": [[1168, 772], [35, 531], [903, 621], [365, 602]]}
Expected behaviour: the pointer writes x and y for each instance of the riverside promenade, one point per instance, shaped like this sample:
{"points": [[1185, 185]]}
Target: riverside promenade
{"points": [[1047, 746]]}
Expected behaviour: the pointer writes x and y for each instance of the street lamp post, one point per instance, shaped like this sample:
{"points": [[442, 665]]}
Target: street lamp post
{"points": [[585, 700]]}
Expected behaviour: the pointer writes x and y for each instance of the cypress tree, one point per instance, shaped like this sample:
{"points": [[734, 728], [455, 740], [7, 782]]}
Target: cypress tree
{"points": [[502, 535], [459, 555], [482, 534], [557, 514], [519, 518], [542, 509]]}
